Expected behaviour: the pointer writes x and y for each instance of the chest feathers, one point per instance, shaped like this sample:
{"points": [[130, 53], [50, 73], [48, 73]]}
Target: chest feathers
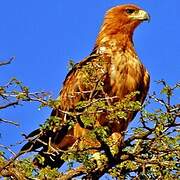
{"points": [[126, 72]]}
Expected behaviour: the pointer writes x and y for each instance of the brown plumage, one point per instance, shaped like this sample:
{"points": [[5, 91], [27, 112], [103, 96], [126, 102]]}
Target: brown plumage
{"points": [[113, 63]]}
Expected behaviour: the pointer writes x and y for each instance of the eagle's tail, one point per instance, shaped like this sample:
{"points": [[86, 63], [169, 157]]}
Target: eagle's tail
{"points": [[46, 143]]}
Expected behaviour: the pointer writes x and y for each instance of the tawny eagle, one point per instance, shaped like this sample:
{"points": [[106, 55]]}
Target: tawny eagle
{"points": [[114, 65]]}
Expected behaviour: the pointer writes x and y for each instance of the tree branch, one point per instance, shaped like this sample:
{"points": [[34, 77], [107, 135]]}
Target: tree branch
{"points": [[74, 173]]}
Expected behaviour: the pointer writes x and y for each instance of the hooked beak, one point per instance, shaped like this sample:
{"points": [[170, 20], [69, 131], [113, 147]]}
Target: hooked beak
{"points": [[140, 15]]}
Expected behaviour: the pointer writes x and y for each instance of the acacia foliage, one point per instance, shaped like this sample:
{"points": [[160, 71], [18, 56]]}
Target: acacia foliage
{"points": [[150, 149]]}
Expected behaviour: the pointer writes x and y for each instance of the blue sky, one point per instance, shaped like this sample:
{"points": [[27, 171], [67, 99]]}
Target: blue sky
{"points": [[43, 35]]}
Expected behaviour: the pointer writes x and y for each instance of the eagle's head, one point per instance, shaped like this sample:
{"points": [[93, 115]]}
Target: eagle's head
{"points": [[128, 16], [120, 23]]}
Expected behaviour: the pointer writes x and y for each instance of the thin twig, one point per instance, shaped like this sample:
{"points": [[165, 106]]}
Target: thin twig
{"points": [[9, 104], [7, 148], [9, 122], [2, 63]]}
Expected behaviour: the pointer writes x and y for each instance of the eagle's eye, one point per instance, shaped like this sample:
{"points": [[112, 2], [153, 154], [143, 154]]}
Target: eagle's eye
{"points": [[130, 11]]}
